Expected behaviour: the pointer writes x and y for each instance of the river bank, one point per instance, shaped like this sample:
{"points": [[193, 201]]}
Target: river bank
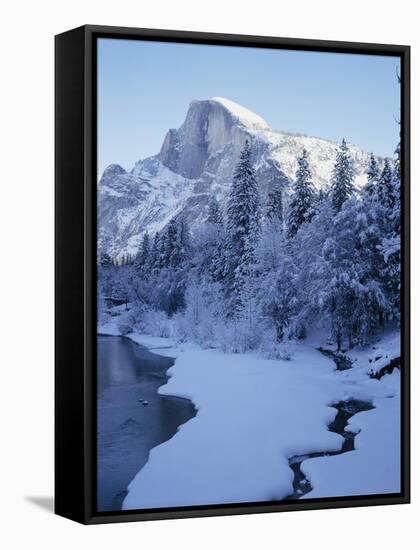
{"points": [[132, 417]]}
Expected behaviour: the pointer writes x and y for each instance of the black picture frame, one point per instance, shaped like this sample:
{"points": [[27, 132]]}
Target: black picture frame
{"points": [[75, 275]]}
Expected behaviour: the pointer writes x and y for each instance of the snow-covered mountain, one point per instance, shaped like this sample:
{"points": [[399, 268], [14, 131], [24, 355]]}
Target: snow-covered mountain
{"points": [[197, 161]]}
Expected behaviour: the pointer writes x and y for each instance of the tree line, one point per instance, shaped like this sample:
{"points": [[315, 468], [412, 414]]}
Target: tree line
{"points": [[261, 271]]}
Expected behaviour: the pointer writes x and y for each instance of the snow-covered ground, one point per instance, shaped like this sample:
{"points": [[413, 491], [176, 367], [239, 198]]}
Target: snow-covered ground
{"points": [[254, 414]]}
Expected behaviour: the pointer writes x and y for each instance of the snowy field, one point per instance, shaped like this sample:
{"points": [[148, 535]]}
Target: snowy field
{"points": [[254, 414]]}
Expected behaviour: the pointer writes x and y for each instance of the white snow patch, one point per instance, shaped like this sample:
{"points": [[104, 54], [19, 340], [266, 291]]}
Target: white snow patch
{"points": [[253, 414], [248, 118]]}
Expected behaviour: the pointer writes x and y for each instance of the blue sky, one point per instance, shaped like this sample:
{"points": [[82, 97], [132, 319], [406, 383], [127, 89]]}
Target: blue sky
{"points": [[144, 88]]}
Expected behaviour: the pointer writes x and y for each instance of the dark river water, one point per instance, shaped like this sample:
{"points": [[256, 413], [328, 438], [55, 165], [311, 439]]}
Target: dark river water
{"points": [[132, 417]]}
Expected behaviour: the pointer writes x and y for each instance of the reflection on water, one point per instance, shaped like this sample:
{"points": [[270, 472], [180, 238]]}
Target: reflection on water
{"points": [[128, 375]]}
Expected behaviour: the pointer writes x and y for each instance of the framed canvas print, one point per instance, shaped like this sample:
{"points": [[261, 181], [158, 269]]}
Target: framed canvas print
{"points": [[232, 274]]}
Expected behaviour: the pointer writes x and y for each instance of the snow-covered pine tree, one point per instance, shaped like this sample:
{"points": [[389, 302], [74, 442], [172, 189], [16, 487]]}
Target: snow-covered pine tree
{"points": [[175, 243], [272, 236], [243, 209], [396, 180], [386, 192], [142, 259], [243, 225], [270, 247], [172, 248], [154, 257], [390, 246], [396, 213], [145, 247], [301, 208], [391, 243], [274, 209], [169, 237], [342, 184], [215, 216], [306, 250], [170, 257], [351, 293], [373, 175], [397, 163], [216, 241], [184, 239], [373, 169], [279, 295]]}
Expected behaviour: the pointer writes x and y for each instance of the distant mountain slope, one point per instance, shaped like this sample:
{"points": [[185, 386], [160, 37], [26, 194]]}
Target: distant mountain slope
{"points": [[197, 161]]}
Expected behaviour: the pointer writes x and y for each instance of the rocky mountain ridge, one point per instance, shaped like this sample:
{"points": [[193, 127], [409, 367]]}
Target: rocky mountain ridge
{"points": [[197, 161]]}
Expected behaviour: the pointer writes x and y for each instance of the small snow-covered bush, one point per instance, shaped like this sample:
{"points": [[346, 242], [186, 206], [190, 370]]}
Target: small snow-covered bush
{"points": [[198, 321], [136, 318], [237, 336], [156, 323], [277, 351], [180, 328], [202, 333], [124, 329], [270, 348]]}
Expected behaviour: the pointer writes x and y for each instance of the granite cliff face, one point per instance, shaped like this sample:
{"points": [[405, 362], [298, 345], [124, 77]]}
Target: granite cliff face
{"points": [[211, 133], [197, 161]]}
